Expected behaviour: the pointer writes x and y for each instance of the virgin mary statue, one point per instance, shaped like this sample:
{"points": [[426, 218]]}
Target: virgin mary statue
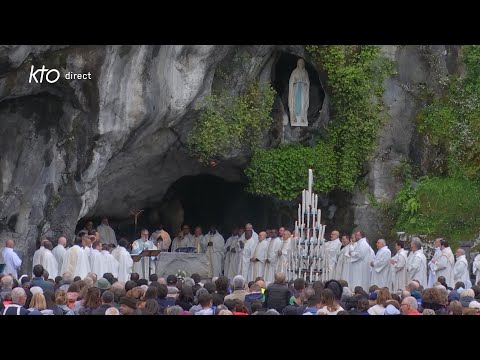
{"points": [[298, 92]]}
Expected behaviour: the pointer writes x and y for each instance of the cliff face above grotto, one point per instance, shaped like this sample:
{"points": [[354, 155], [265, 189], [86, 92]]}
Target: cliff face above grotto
{"points": [[102, 146]]}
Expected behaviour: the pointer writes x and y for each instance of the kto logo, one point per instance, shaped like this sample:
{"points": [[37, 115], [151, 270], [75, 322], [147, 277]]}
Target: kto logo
{"points": [[48, 75]]}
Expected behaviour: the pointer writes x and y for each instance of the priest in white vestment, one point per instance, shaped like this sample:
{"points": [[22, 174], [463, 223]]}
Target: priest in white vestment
{"points": [[111, 264], [11, 259], [341, 271], [330, 255], [228, 254], [187, 235], [284, 252], [48, 260], [432, 278], [107, 234], [245, 248], [59, 253], [37, 254], [399, 267], [76, 260], [234, 255], [97, 260], [181, 241], [196, 239], [360, 258], [381, 269], [476, 268], [125, 261], [146, 265], [443, 266], [417, 263], [213, 245], [461, 272], [273, 250], [259, 256], [161, 239]]}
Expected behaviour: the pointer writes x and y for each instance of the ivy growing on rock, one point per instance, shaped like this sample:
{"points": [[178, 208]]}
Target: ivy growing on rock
{"points": [[452, 121], [446, 202], [230, 123], [355, 76], [437, 206], [280, 172]]}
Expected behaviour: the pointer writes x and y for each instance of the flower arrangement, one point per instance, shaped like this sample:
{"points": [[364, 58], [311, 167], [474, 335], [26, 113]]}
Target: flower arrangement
{"points": [[181, 274]]}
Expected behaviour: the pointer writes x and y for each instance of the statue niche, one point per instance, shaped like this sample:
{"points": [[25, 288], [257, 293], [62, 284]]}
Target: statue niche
{"points": [[298, 95]]}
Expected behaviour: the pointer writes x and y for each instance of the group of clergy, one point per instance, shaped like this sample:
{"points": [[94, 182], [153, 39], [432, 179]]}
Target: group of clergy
{"points": [[262, 254], [356, 262]]}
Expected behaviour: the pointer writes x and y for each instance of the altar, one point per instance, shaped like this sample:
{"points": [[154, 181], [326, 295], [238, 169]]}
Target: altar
{"points": [[170, 262]]}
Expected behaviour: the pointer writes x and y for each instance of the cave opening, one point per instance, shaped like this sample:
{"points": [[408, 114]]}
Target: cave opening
{"points": [[203, 200], [281, 72]]}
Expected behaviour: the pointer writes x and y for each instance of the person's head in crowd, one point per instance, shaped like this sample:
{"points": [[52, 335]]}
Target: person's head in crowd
{"points": [[129, 285], [173, 310], [162, 290], [151, 307], [219, 308], [196, 277], [151, 293], [238, 282], [108, 297], [109, 277], [299, 285], [455, 308], [61, 297], [88, 282], [153, 277], [128, 305], [210, 287], [93, 276], [134, 277], [188, 281], [112, 311], [318, 286], [141, 282], [172, 280], [221, 285]]}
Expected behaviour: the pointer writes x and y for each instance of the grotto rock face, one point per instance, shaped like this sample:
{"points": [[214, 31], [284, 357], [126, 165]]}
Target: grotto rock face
{"points": [[102, 146], [418, 68]]}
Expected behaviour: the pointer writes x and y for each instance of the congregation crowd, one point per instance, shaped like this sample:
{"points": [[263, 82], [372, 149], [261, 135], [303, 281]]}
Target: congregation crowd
{"points": [[94, 277]]}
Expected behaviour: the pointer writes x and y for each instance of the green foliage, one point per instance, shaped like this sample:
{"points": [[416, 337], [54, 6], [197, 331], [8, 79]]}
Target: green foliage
{"points": [[439, 207], [228, 123], [452, 122], [355, 76], [403, 171], [281, 171], [355, 82]]}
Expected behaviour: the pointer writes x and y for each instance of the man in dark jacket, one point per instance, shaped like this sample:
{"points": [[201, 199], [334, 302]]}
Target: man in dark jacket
{"points": [[255, 294], [299, 306], [107, 302], [38, 280], [277, 295]]}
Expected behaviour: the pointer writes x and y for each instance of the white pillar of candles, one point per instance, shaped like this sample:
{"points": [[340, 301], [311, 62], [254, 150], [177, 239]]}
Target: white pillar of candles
{"points": [[307, 226]]}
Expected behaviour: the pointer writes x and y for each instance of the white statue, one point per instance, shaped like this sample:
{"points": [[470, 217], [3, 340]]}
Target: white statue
{"points": [[298, 95]]}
